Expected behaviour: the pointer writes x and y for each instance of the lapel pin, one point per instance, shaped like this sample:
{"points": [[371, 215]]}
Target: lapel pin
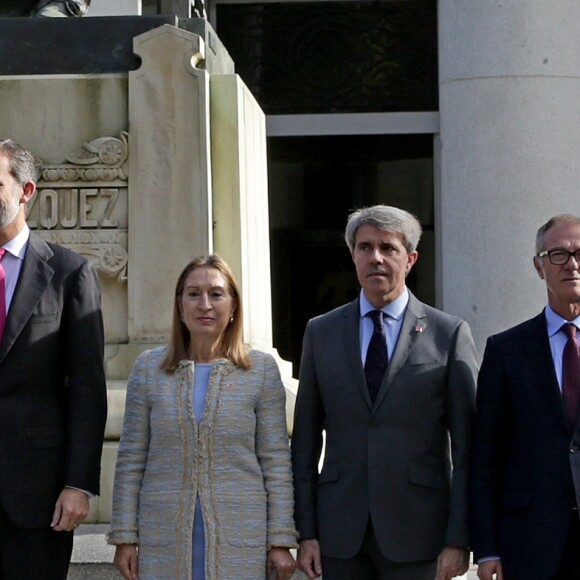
{"points": [[418, 328]]}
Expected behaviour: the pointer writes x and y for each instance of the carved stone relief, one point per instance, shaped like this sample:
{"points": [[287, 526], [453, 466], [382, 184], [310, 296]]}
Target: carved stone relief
{"points": [[82, 204]]}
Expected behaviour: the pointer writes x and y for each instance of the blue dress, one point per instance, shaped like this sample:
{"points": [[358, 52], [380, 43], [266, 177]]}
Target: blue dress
{"points": [[200, 382]]}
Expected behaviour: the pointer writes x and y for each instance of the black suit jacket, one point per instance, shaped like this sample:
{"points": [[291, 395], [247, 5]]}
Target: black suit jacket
{"points": [[522, 481], [403, 461], [52, 384]]}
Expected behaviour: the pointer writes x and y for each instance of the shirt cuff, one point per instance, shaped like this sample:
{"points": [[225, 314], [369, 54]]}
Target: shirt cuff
{"points": [[88, 493], [487, 559]]}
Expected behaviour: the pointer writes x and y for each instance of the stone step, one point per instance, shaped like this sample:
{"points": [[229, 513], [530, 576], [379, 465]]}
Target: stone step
{"points": [[92, 557], [92, 571]]}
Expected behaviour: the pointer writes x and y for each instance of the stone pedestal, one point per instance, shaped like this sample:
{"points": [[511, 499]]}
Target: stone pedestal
{"points": [[129, 158], [170, 176]]}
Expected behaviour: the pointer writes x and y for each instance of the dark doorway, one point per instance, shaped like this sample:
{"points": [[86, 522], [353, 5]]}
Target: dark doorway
{"points": [[314, 183]]}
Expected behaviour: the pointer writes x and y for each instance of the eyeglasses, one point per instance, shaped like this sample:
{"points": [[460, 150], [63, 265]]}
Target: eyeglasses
{"points": [[560, 257]]}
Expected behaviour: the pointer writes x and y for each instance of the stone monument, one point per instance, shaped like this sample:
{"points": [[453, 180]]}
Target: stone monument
{"points": [[152, 151]]}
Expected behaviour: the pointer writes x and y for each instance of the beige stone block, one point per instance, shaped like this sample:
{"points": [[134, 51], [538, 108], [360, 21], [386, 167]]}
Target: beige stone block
{"points": [[240, 196], [101, 506], [119, 358], [115, 8], [53, 114], [116, 394], [169, 174]]}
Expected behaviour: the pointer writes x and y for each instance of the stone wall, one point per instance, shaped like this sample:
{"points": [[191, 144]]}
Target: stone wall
{"points": [[143, 169]]}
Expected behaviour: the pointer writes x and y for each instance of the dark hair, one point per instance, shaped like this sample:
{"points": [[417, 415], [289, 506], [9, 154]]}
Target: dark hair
{"points": [[22, 164]]}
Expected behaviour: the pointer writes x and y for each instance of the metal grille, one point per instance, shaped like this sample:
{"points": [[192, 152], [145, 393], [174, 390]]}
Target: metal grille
{"points": [[325, 57]]}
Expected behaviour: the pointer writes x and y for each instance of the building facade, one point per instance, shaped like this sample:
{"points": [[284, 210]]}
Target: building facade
{"points": [[463, 112]]}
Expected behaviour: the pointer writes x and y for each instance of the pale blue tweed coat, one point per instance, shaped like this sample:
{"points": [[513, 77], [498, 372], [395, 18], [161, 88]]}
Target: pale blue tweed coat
{"points": [[237, 461]]}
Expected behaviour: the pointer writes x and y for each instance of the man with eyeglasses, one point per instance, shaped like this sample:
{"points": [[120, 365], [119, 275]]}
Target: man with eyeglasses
{"points": [[525, 486]]}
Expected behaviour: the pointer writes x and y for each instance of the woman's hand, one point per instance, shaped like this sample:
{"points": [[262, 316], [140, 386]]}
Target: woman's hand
{"points": [[280, 564], [126, 561]]}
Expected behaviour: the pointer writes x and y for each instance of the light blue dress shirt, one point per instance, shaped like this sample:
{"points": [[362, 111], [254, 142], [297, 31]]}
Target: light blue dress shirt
{"points": [[200, 383], [392, 321], [558, 339]]}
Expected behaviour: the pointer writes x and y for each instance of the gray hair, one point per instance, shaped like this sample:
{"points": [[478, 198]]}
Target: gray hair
{"points": [[557, 219], [388, 219], [22, 164]]}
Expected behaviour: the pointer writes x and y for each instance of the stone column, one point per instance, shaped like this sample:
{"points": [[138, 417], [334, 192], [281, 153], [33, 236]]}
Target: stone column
{"points": [[115, 8], [509, 149], [170, 212], [240, 216]]}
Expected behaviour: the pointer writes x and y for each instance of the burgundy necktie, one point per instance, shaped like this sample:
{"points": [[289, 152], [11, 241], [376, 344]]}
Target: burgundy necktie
{"points": [[571, 372], [2, 295], [377, 357]]}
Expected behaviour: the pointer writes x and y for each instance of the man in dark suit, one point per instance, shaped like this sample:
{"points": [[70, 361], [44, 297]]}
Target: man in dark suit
{"points": [[52, 386], [526, 461], [391, 499]]}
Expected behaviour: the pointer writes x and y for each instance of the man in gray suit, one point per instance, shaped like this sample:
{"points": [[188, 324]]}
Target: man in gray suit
{"points": [[53, 402], [391, 499]]}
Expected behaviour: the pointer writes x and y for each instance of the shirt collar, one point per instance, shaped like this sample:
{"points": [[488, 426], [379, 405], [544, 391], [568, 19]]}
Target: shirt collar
{"points": [[17, 245], [394, 309], [555, 321]]}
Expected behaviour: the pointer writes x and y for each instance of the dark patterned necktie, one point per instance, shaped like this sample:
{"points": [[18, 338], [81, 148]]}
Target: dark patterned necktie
{"points": [[377, 357], [571, 372]]}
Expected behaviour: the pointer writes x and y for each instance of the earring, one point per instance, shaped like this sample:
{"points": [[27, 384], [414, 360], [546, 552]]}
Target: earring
{"points": [[231, 319], [181, 318]]}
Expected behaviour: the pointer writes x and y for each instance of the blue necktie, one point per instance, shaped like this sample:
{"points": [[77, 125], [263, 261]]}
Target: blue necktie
{"points": [[377, 356]]}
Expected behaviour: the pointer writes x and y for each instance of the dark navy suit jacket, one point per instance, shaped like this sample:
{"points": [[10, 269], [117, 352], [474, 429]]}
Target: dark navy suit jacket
{"points": [[525, 456], [53, 404]]}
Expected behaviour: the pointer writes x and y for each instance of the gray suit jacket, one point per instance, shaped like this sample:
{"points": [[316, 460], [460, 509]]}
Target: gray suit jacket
{"points": [[404, 461], [53, 404]]}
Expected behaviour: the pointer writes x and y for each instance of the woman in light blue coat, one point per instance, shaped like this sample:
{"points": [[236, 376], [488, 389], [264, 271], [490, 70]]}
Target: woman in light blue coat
{"points": [[203, 485]]}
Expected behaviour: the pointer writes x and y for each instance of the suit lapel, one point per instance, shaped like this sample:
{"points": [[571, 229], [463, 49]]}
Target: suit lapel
{"points": [[35, 275], [543, 378], [350, 337], [414, 318]]}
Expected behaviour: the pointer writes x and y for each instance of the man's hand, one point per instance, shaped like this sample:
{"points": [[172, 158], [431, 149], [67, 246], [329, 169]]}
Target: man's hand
{"points": [[72, 507], [490, 570], [126, 561], [309, 558], [452, 562]]}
